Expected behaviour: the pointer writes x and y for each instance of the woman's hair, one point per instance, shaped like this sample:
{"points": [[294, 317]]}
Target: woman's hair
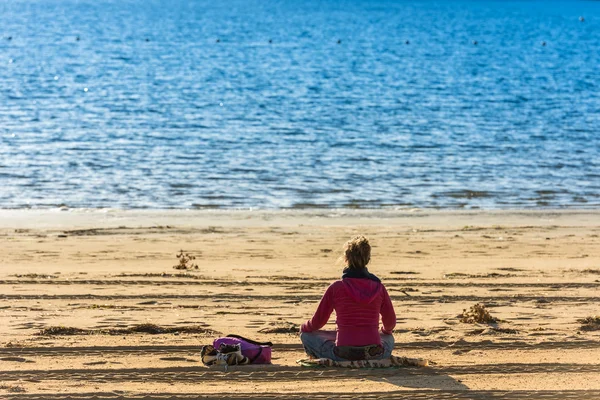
{"points": [[357, 252]]}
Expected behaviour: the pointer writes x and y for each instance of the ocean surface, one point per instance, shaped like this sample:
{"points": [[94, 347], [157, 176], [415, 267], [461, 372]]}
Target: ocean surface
{"points": [[299, 104]]}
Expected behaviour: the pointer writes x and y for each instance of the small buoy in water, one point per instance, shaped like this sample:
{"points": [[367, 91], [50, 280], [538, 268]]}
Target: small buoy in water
{"points": [[581, 19], [475, 42], [270, 40], [9, 38], [339, 41], [407, 42], [543, 43], [147, 40], [218, 40], [77, 38]]}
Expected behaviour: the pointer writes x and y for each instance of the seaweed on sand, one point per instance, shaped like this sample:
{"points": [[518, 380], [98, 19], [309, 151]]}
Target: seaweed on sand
{"points": [[282, 328], [591, 271], [151, 329], [590, 323], [162, 275], [12, 388], [460, 275], [477, 314], [185, 261], [493, 331], [35, 276], [62, 331]]}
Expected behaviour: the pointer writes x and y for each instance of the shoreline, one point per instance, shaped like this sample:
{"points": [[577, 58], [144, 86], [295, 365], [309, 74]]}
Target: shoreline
{"points": [[114, 218]]}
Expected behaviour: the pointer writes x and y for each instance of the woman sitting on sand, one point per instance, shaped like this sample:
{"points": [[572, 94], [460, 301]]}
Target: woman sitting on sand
{"points": [[358, 299]]}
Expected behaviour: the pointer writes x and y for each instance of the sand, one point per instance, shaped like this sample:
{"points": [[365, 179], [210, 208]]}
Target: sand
{"points": [[538, 272]]}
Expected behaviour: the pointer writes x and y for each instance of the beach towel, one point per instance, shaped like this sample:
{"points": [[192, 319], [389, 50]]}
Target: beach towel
{"points": [[392, 362]]}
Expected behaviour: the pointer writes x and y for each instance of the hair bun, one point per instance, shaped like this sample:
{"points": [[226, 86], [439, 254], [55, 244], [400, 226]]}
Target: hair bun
{"points": [[357, 252]]}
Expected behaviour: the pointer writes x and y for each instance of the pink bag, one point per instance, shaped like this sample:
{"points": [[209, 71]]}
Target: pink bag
{"points": [[257, 352]]}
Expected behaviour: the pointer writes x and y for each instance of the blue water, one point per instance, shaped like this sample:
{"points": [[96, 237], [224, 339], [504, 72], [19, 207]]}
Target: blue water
{"points": [[186, 104]]}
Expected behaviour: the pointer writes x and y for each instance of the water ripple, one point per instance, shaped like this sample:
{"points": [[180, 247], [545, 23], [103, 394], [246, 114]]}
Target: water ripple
{"points": [[185, 104]]}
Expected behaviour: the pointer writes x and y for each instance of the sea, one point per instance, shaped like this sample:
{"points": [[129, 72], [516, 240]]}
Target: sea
{"points": [[279, 104]]}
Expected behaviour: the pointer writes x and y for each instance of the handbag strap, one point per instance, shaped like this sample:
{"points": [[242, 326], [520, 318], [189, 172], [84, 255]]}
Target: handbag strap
{"points": [[260, 350], [251, 341]]}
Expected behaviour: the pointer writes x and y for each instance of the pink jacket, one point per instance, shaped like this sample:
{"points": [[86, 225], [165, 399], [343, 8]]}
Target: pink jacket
{"points": [[357, 303]]}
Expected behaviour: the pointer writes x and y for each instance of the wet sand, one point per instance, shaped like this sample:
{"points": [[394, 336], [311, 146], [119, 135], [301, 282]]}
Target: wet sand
{"points": [[538, 272]]}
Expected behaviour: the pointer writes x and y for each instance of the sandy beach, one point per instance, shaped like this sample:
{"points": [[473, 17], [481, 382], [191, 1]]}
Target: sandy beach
{"points": [[261, 273]]}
